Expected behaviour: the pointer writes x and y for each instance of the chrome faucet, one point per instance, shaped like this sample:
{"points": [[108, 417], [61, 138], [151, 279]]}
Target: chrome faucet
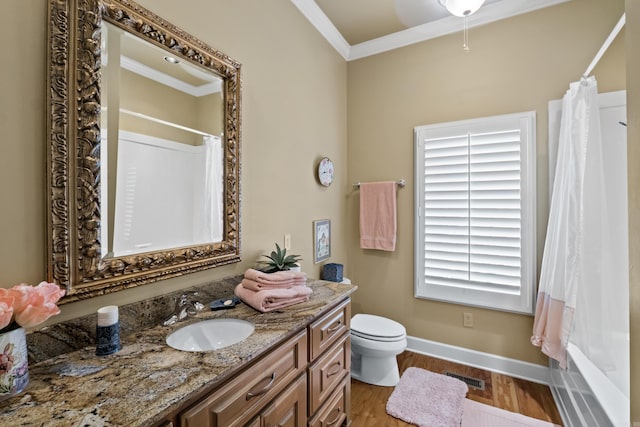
{"points": [[186, 305]]}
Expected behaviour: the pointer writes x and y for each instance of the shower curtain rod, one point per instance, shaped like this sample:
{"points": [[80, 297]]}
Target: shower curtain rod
{"points": [[163, 122], [605, 45]]}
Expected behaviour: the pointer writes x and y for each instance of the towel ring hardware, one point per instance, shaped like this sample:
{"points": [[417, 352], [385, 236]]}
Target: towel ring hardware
{"points": [[400, 183]]}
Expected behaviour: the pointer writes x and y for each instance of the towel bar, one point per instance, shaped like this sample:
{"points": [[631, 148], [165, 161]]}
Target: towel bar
{"points": [[401, 183]]}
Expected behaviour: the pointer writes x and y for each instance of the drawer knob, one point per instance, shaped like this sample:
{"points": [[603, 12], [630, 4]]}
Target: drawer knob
{"points": [[337, 417], [251, 394]]}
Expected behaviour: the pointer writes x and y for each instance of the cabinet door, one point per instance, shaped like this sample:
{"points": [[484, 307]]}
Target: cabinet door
{"points": [[290, 408], [324, 332]]}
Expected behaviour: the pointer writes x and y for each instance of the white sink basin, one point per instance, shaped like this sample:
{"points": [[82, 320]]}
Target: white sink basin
{"points": [[210, 335]]}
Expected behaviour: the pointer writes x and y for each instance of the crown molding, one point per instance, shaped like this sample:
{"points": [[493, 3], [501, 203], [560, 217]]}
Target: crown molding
{"points": [[451, 24], [165, 79], [316, 16]]}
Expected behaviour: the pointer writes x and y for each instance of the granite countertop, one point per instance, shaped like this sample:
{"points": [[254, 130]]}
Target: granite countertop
{"points": [[147, 380]]}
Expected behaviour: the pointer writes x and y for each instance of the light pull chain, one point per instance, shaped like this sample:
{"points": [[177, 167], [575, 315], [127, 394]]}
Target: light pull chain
{"points": [[465, 44]]}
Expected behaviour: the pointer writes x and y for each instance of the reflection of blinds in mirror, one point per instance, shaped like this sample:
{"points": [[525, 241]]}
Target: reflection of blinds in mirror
{"points": [[162, 198], [128, 204]]}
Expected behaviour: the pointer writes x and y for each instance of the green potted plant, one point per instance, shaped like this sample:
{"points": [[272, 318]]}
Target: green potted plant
{"points": [[279, 261]]}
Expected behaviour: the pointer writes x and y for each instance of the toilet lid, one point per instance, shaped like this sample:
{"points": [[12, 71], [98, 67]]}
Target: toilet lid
{"points": [[376, 327]]}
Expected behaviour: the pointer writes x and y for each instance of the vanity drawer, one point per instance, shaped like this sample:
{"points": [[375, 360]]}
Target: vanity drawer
{"points": [[238, 401], [337, 409], [327, 372], [288, 409], [326, 330]]}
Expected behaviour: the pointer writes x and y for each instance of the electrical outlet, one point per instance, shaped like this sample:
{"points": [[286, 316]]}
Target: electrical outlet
{"points": [[287, 241], [467, 320]]}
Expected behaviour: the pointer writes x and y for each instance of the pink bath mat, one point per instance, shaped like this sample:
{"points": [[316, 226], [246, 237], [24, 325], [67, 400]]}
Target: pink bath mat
{"points": [[478, 414], [428, 399]]}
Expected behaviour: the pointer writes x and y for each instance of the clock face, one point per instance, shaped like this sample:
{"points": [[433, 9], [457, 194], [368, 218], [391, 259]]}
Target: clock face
{"points": [[325, 171]]}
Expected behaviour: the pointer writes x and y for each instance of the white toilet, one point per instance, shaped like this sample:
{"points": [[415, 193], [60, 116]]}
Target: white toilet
{"points": [[375, 343]]}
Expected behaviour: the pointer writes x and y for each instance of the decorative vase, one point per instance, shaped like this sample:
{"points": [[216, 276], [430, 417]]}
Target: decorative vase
{"points": [[14, 368]]}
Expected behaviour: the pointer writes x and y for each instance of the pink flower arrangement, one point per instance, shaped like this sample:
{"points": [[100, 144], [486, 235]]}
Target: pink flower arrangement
{"points": [[27, 305]]}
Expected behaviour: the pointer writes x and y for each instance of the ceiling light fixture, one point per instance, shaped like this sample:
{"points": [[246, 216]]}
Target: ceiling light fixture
{"points": [[463, 9]]}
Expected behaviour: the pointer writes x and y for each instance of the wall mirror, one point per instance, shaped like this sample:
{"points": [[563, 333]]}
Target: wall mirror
{"points": [[143, 149]]}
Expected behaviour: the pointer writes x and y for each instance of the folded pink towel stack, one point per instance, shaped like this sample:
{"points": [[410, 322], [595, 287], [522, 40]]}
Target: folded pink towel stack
{"points": [[273, 299], [274, 278], [258, 280], [258, 286], [271, 291]]}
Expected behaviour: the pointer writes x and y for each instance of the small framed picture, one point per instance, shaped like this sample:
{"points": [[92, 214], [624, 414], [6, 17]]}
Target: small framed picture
{"points": [[321, 240]]}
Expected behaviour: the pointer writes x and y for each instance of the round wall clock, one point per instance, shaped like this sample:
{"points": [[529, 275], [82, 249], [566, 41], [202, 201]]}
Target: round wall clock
{"points": [[325, 171]]}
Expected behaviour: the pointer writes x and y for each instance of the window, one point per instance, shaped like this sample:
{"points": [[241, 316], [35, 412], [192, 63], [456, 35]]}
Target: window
{"points": [[475, 212]]}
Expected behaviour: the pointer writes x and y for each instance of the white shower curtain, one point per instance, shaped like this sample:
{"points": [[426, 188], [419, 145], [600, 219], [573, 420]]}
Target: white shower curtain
{"points": [[213, 190], [576, 245]]}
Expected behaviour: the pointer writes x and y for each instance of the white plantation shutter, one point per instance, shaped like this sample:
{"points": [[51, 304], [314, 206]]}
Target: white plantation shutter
{"points": [[475, 222]]}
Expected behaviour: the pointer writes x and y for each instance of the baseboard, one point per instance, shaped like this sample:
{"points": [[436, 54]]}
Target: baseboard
{"points": [[491, 362]]}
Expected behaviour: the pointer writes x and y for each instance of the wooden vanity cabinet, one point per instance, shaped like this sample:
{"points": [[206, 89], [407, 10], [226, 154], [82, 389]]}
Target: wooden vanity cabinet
{"points": [[241, 399], [329, 369], [303, 382]]}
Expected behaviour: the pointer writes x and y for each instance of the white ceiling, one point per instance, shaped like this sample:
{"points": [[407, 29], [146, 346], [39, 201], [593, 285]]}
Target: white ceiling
{"points": [[360, 28]]}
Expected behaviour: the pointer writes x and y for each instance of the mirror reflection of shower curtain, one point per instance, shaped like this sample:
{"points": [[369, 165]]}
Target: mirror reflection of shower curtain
{"points": [[577, 246], [211, 224], [168, 194]]}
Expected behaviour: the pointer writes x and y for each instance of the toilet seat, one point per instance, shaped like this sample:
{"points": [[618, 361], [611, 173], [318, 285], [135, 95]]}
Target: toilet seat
{"points": [[376, 328]]}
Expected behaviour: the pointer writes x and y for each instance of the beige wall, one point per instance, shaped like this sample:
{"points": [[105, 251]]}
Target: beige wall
{"points": [[633, 160], [514, 65], [294, 112], [210, 109]]}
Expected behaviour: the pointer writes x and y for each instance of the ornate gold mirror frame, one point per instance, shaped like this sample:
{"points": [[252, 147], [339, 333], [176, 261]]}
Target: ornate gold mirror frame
{"points": [[74, 258]]}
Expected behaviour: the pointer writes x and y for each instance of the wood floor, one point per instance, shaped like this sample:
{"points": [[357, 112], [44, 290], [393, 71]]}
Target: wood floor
{"points": [[512, 394]]}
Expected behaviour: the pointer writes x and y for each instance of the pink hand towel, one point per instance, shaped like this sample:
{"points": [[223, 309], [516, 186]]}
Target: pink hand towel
{"points": [[257, 286], [273, 299], [378, 215], [273, 278]]}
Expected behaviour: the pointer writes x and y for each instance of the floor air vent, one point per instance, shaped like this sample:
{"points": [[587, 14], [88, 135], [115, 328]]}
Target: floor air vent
{"points": [[476, 383]]}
